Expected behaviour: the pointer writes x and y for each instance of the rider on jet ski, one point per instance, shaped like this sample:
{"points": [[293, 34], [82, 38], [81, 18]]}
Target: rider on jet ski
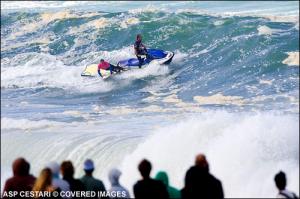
{"points": [[107, 66], [140, 49]]}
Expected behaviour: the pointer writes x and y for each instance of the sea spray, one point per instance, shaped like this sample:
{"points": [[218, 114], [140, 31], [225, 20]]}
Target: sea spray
{"points": [[238, 146]]}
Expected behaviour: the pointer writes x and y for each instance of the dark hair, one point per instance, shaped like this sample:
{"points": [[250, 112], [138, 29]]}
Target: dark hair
{"points": [[67, 168], [280, 180], [20, 167], [101, 59], [145, 168], [138, 36]]}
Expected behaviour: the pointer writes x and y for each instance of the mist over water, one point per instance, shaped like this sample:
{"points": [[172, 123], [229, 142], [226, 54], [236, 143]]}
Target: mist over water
{"points": [[231, 91]]}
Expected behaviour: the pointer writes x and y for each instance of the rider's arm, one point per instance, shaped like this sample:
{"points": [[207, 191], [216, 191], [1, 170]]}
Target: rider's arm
{"points": [[135, 49], [145, 48], [99, 70], [99, 73]]}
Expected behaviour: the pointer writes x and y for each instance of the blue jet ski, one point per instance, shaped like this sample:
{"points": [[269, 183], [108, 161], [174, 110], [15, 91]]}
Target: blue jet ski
{"points": [[159, 56], [154, 55]]}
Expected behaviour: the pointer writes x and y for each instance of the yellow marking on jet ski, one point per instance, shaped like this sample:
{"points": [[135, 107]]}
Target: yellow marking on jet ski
{"points": [[92, 70]]}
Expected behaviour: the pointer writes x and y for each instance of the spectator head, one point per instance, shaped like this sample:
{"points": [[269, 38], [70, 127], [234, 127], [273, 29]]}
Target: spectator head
{"points": [[280, 180], [101, 60], [139, 37], [113, 176], [88, 166], [20, 167], [67, 169], [43, 181], [163, 177], [145, 168], [54, 167], [201, 161]]}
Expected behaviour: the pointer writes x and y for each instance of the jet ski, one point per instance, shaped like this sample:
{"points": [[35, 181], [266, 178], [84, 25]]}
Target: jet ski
{"points": [[154, 55], [159, 56]]}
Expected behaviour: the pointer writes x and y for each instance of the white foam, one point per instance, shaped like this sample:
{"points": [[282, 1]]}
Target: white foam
{"points": [[265, 30], [128, 22], [28, 125], [238, 147], [179, 56], [147, 9], [153, 69], [43, 70], [25, 26], [280, 11], [268, 82], [219, 99], [219, 22], [292, 59], [94, 24]]}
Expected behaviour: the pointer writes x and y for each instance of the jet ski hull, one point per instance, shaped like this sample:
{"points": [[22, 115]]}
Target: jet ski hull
{"points": [[159, 56]]}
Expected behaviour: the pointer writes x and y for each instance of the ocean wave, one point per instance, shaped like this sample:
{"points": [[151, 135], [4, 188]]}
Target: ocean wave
{"points": [[29, 125], [45, 71], [279, 12], [258, 138], [61, 43]]}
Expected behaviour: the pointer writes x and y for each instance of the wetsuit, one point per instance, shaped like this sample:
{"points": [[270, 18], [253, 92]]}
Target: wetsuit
{"points": [[140, 49]]}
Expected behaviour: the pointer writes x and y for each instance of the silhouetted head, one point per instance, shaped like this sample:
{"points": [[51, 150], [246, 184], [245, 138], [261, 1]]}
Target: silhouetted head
{"points": [[280, 180], [139, 37], [162, 176], [201, 162], [145, 168], [67, 169], [20, 167], [113, 176], [101, 60], [88, 166]]}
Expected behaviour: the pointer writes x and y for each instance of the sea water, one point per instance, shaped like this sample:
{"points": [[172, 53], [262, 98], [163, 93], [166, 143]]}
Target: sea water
{"points": [[231, 91]]}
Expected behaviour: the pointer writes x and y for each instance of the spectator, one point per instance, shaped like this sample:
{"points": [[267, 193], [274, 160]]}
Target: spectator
{"points": [[147, 187], [113, 177], [67, 171], [56, 181], [280, 181], [91, 183], [163, 177], [21, 180], [43, 183], [199, 183]]}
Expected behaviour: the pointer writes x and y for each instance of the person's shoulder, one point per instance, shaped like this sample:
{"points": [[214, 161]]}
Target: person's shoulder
{"points": [[83, 178], [158, 183], [10, 179], [32, 177], [98, 181], [173, 189], [138, 183], [213, 178], [61, 181], [10, 182], [192, 169], [78, 182], [286, 194]]}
